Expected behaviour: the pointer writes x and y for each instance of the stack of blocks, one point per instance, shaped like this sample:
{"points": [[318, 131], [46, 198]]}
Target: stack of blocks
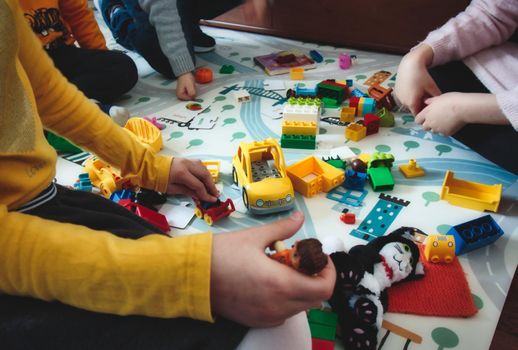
{"points": [[322, 325], [300, 123]]}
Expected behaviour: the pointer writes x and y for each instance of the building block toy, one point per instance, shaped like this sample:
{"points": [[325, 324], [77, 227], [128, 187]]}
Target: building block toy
{"points": [[380, 159], [344, 61], [355, 180], [383, 96], [355, 132], [332, 93], [439, 248], [358, 93], [318, 316], [258, 168], [145, 132], [380, 217], [303, 91], [149, 198], [354, 101], [298, 141], [122, 194], [469, 194], [321, 331], [349, 82], [292, 127], [103, 176], [60, 144], [213, 212], [366, 105], [336, 162], [213, 167], [227, 69], [203, 75], [381, 179], [242, 96], [83, 183], [151, 216], [346, 196], [372, 123], [297, 73], [347, 114], [311, 175], [302, 109], [475, 234], [322, 344], [377, 78], [316, 56], [387, 119], [348, 218], [412, 169]]}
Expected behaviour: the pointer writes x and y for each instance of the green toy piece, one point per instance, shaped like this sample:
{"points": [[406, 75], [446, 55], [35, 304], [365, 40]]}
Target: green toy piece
{"points": [[320, 331], [62, 145], [326, 318], [381, 159], [226, 69], [381, 179], [386, 118], [298, 141]]}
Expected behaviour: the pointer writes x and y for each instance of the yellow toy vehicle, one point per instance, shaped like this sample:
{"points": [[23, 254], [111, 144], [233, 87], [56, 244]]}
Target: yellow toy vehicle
{"points": [[439, 248], [104, 176], [259, 168]]}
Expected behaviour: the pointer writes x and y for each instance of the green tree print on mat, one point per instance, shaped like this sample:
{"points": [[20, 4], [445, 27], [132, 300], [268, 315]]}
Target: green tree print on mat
{"points": [[445, 338], [195, 142], [238, 135], [410, 144], [430, 197], [175, 135]]}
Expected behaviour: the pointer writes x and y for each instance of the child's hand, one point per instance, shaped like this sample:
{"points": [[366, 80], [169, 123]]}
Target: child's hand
{"points": [[250, 288], [186, 87], [191, 178], [414, 84], [445, 114]]}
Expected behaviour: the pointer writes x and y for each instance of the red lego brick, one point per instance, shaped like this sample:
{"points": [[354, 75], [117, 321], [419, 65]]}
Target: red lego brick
{"points": [[321, 344], [348, 218], [372, 123], [354, 101], [153, 217]]}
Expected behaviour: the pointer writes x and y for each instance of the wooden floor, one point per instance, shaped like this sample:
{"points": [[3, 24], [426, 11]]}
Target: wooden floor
{"points": [[506, 334]]}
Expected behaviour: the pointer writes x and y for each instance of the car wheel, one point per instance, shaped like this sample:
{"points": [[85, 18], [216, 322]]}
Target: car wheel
{"points": [[245, 199], [234, 175], [198, 213], [208, 219]]}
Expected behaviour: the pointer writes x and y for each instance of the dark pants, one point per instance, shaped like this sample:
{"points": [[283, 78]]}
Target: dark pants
{"points": [[100, 74], [27, 323], [131, 28], [494, 142]]}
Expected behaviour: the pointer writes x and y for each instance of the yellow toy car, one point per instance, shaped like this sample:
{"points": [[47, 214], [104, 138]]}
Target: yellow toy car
{"points": [[259, 168], [439, 248]]}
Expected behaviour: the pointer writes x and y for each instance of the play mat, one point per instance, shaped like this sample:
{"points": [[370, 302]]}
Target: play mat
{"points": [[215, 134]]}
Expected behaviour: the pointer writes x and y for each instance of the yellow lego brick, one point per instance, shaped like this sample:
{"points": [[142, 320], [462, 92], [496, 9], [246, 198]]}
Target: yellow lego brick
{"points": [[213, 168], [347, 114], [359, 110], [294, 127], [412, 169], [297, 73], [311, 175], [355, 132]]}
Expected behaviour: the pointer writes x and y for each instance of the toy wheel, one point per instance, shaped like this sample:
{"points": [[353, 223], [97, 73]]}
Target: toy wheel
{"points": [[234, 175], [245, 199], [208, 219], [198, 213]]}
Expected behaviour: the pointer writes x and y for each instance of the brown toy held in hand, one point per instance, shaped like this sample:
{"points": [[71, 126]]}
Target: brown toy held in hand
{"points": [[305, 256]]}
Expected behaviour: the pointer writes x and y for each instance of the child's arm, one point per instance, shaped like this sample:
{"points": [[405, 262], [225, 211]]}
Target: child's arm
{"points": [[483, 24], [163, 15], [82, 22]]}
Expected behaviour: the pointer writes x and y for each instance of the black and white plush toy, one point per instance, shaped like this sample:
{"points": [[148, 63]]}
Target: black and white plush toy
{"points": [[363, 275]]}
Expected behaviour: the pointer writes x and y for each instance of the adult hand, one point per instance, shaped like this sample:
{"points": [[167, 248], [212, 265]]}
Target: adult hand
{"points": [[186, 87], [191, 178], [250, 288], [413, 83], [255, 10]]}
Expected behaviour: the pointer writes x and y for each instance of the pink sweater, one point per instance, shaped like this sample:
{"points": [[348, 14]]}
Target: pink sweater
{"points": [[479, 36]]}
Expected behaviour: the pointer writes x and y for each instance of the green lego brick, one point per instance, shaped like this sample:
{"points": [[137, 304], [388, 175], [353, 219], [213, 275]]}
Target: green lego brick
{"points": [[61, 144], [381, 179], [227, 69], [381, 159], [330, 103], [337, 163], [298, 141], [320, 331], [386, 118], [325, 318]]}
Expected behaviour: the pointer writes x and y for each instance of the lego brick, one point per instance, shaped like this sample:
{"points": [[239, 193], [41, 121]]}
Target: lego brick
{"points": [[355, 180], [344, 61], [346, 196], [296, 111], [298, 141], [387, 119], [348, 218], [353, 102], [321, 331], [355, 132], [326, 318], [311, 175], [366, 105], [316, 56], [297, 73], [472, 195], [380, 159], [347, 114], [292, 127], [412, 169], [475, 234], [322, 344], [372, 123], [381, 179]]}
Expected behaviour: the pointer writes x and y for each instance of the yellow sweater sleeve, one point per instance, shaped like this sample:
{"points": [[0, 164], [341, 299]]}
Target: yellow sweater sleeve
{"points": [[82, 22], [65, 110], [154, 276]]}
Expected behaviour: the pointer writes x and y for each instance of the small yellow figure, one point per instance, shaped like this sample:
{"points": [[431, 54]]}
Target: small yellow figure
{"points": [[412, 169]]}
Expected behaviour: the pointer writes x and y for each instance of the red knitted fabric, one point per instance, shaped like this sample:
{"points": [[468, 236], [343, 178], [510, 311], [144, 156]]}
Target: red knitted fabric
{"points": [[443, 291]]}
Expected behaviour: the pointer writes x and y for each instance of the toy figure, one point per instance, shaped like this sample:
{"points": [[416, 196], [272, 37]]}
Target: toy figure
{"points": [[363, 274], [305, 256]]}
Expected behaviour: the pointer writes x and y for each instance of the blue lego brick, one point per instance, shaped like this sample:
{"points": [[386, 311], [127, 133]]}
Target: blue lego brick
{"points": [[358, 93], [475, 234], [316, 56], [346, 196], [349, 82], [122, 194], [369, 105], [355, 180]]}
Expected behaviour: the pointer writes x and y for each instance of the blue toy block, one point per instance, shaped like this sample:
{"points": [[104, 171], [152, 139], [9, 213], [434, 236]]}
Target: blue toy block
{"points": [[349, 82], [122, 194], [369, 105], [83, 183], [358, 93], [316, 56], [346, 196], [380, 217], [475, 234], [355, 180]]}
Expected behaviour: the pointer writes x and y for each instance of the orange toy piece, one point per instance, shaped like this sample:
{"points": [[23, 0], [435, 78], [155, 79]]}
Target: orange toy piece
{"points": [[203, 75], [412, 169], [355, 132], [439, 248], [311, 175], [145, 132], [104, 176]]}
